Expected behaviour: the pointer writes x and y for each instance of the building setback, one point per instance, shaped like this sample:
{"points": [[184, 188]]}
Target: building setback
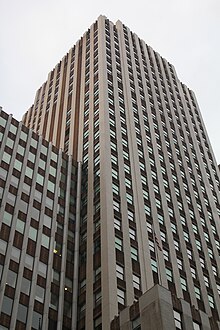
{"points": [[150, 206], [159, 309]]}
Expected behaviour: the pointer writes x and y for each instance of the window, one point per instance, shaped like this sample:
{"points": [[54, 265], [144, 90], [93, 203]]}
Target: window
{"points": [[197, 293], [120, 272], [42, 164], [54, 156], [20, 150], [36, 320], [118, 244], [147, 210], [98, 323], [189, 253], [127, 168], [29, 172], [17, 165], [210, 252], [1, 268], [31, 157], [115, 189], [40, 179], [39, 293], [47, 221], [196, 326], [45, 241], [3, 122], [183, 284], [44, 150], [149, 227], [186, 236], [136, 282], [54, 300], [33, 141], [132, 233], [116, 206], [129, 198], [7, 218], [25, 286], [163, 236], [136, 324], [97, 298], [166, 255], [121, 296], [15, 254], [143, 179], [32, 233], [117, 224], [134, 253], [11, 278], [195, 229], [154, 265], [180, 263], [97, 274], [67, 308], [7, 305], [3, 175], [42, 269], [173, 227], [26, 188], [170, 211], [128, 183], [114, 159], [158, 203], [22, 313], [151, 246], [130, 215], [198, 244], [160, 218], [56, 277], [211, 301], [177, 319], [6, 158], [169, 275], [193, 272], [51, 186], [214, 269], [82, 309], [206, 280], [114, 174], [97, 245]]}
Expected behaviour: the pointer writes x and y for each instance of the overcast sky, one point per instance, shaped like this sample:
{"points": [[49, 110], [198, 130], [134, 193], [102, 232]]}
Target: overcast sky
{"points": [[35, 35]]}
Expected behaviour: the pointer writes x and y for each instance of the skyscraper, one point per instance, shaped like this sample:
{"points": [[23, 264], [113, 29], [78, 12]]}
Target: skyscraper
{"points": [[149, 207]]}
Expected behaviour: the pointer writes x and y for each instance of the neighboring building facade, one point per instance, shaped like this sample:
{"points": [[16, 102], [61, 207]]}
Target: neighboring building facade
{"points": [[37, 230], [148, 174]]}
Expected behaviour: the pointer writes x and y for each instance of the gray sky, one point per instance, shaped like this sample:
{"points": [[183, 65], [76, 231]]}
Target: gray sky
{"points": [[35, 35]]}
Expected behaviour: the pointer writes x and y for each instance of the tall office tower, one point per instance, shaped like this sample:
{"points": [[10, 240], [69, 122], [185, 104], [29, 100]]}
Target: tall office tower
{"points": [[37, 230], [149, 174]]}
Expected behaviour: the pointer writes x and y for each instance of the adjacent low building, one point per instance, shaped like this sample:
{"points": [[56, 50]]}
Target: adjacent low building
{"points": [[37, 230]]}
